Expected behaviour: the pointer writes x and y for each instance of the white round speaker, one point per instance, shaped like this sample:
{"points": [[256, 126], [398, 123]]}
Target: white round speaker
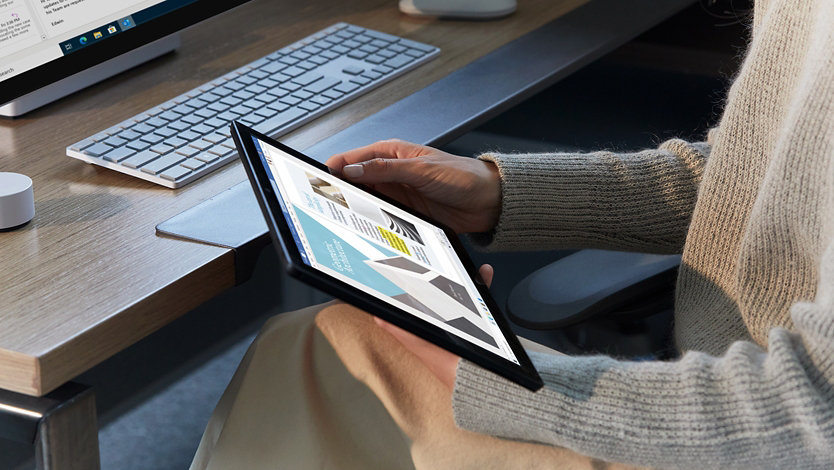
{"points": [[17, 201]]}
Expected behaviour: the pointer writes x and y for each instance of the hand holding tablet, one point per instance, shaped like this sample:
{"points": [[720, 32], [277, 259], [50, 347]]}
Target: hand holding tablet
{"points": [[380, 256]]}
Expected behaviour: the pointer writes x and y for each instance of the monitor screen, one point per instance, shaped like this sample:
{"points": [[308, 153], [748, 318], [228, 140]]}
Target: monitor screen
{"points": [[43, 41]]}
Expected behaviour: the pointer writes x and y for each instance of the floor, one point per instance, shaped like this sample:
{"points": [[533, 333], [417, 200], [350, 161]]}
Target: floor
{"points": [[612, 104]]}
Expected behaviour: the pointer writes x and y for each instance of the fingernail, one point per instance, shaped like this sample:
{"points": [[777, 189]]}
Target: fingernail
{"points": [[353, 171]]}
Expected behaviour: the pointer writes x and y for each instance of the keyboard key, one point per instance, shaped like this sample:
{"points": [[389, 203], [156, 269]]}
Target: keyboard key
{"points": [[415, 53], [353, 70], [201, 144], [231, 101], [214, 138], [140, 159], [309, 106], [243, 95], [361, 80], [175, 172], [303, 94], [397, 48], [187, 151], [223, 151], [202, 129], [192, 119], [207, 157], [279, 120], [290, 86], [372, 75], [318, 60], [293, 71], [193, 164], [188, 135], [179, 125], [382, 36], [78, 146], [138, 145], [256, 89], [142, 128], [323, 84], [119, 154], [383, 69], [332, 94], [375, 59], [253, 103], [387, 53], [351, 44], [308, 78], [398, 61], [161, 148], [114, 141], [166, 132], [266, 112], [156, 122], [357, 54], [290, 100], [205, 113], [278, 106], [416, 45], [321, 100], [163, 163], [183, 109], [346, 87], [286, 61], [128, 135], [175, 142], [152, 138]]}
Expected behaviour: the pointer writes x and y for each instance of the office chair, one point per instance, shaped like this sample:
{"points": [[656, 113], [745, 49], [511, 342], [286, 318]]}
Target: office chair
{"points": [[601, 302]]}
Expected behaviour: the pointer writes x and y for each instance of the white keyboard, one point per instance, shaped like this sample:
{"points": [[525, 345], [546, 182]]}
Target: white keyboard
{"points": [[188, 136]]}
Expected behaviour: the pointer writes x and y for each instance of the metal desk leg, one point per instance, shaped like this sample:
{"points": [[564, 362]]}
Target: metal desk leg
{"points": [[61, 426]]}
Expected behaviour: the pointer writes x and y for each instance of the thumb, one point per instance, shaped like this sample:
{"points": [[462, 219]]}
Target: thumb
{"points": [[386, 170]]}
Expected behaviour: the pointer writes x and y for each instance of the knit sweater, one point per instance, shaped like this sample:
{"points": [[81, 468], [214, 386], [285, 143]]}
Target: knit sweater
{"points": [[752, 212]]}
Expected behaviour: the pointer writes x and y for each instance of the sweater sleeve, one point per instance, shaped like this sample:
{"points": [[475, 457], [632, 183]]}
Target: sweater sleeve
{"points": [[623, 201], [749, 408]]}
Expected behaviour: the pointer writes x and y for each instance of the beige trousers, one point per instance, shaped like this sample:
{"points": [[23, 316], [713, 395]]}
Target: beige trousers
{"points": [[325, 388]]}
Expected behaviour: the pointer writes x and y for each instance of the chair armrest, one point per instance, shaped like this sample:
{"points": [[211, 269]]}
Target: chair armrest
{"points": [[587, 284]]}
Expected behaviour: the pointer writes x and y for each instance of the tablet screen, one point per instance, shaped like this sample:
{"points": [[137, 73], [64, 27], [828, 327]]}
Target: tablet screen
{"points": [[380, 249]]}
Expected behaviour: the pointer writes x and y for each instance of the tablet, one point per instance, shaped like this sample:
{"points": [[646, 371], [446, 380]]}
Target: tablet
{"points": [[380, 256]]}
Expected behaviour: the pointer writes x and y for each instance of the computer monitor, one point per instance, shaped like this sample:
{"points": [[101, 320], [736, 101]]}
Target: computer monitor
{"points": [[51, 48]]}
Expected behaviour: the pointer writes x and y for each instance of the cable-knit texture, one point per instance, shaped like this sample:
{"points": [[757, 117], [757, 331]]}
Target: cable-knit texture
{"points": [[753, 214]]}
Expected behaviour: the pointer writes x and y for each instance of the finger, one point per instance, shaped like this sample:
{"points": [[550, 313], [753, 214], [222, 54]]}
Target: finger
{"points": [[382, 149], [412, 172], [487, 272]]}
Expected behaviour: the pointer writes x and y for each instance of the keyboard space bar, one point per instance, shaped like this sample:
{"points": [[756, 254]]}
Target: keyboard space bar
{"points": [[278, 121]]}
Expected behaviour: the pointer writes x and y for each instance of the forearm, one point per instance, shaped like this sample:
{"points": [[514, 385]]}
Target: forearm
{"points": [[747, 409], [637, 201]]}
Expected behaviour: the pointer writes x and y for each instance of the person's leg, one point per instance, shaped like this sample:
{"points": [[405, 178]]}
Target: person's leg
{"points": [[421, 405], [292, 405]]}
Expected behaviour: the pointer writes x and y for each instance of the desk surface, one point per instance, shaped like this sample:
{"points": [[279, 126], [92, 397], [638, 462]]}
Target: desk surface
{"points": [[88, 277]]}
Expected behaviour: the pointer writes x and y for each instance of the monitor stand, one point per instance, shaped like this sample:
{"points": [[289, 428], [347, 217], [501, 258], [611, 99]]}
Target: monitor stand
{"points": [[90, 76]]}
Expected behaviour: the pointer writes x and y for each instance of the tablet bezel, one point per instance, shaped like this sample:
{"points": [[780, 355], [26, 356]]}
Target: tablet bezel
{"points": [[523, 373]]}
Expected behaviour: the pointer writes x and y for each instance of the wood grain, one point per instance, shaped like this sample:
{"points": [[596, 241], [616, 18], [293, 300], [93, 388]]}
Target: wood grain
{"points": [[88, 277]]}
